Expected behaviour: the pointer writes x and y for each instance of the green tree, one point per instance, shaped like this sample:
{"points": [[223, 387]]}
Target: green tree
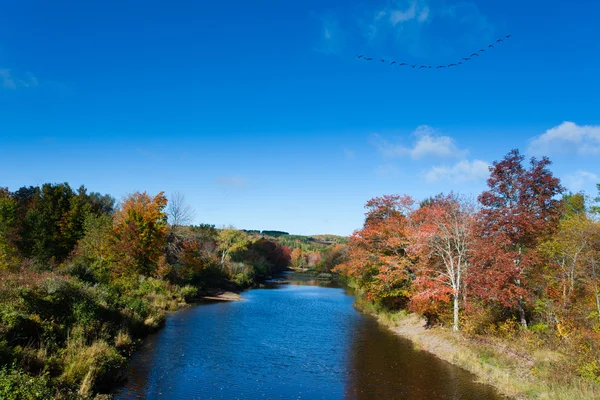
{"points": [[8, 222], [42, 236], [596, 208], [574, 204]]}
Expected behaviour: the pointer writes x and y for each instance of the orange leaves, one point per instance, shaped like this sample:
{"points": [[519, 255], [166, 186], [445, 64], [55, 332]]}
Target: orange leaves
{"points": [[139, 229], [377, 252]]}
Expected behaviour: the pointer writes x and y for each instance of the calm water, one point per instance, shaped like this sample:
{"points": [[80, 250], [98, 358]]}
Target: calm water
{"points": [[295, 341]]}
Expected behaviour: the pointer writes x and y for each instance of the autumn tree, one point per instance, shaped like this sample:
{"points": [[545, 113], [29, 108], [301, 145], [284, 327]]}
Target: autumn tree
{"points": [[592, 264], [230, 240], [518, 211], [333, 256], [139, 233], [377, 258], [566, 251], [297, 258], [441, 239]]}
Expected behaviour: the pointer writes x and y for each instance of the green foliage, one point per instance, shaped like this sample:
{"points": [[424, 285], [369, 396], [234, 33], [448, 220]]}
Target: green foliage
{"points": [[44, 223], [331, 257], [574, 204], [596, 208], [590, 371], [17, 385], [231, 241]]}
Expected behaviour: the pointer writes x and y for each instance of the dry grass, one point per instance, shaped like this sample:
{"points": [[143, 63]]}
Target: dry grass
{"points": [[123, 340], [91, 367]]}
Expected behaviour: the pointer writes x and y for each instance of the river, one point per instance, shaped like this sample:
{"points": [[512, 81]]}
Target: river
{"points": [[294, 341]]}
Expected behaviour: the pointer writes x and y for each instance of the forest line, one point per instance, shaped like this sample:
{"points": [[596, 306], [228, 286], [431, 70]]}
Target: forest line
{"points": [[521, 264]]}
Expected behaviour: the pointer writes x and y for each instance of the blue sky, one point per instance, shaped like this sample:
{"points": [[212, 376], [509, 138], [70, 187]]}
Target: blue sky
{"points": [[262, 116]]}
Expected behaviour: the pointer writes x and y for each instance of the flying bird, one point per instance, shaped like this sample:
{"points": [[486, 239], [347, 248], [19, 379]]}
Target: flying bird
{"points": [[508, 36], [491, 45], [459, 63], [368, 59], [414, 65], [403, 64], [474, 54], [499, 40], [393, 62], [482, 51], [451, 65], [382, 60], [466, 59], [360, 56]]}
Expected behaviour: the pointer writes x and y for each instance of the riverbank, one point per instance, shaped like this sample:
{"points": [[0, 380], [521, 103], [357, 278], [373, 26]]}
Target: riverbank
{"points": [[221, 295], [517, 367], [86, 332]]}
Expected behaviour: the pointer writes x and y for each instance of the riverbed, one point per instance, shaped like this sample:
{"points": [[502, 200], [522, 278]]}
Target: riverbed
{"points": [[302, 340]]}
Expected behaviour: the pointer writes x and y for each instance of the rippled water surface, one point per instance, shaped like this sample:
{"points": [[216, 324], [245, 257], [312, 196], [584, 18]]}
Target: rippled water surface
{"points": [[296, 341]]}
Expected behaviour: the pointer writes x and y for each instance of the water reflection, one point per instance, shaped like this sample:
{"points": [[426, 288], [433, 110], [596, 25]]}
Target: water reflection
{"points": [[383, 366], [298, 341]]}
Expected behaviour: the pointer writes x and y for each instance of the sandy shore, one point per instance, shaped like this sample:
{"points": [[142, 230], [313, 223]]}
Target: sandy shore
{"points": [[223, 296]]}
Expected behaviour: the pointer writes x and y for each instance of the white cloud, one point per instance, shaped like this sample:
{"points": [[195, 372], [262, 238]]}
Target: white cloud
{"points": [[462, 171], [580, 179], [397, 16], [428, 143], [9, 81], [405, 26], [567, 137]]}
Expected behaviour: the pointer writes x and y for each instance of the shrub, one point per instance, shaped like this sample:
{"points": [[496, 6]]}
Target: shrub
{"points": [[16, 385]]}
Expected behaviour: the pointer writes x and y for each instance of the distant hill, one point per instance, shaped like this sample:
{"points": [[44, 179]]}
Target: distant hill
{"points": [[307, 243]]}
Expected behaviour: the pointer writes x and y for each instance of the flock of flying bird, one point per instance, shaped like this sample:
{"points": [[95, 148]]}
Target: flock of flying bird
{"points": [[465, 59]]}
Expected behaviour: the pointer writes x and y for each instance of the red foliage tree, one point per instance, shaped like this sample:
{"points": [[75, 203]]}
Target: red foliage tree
{"points": [[519, 209], [377, 257], [441, 239]]}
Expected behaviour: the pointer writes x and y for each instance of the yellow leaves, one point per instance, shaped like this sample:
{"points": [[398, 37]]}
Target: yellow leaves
{"points": [[140, 231]]}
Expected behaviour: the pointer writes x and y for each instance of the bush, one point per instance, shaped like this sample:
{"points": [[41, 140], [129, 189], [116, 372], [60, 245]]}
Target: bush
{"points": [[188, 292], [17, 385]]}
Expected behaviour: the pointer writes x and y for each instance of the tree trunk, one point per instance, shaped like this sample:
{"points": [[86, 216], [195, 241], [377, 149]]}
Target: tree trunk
{"points": [[455, 325], [223, 255], [522, 314]]}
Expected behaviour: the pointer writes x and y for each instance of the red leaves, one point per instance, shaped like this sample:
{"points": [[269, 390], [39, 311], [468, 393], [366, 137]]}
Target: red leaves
{"points": [[518, 211], [377, 252]]}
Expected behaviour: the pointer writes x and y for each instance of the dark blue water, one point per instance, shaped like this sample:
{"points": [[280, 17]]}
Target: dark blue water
{"points": [[295, 341]]}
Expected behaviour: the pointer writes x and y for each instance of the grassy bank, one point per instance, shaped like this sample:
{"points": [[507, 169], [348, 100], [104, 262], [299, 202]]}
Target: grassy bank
{"points": [[66, 338], [513, 361]]}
